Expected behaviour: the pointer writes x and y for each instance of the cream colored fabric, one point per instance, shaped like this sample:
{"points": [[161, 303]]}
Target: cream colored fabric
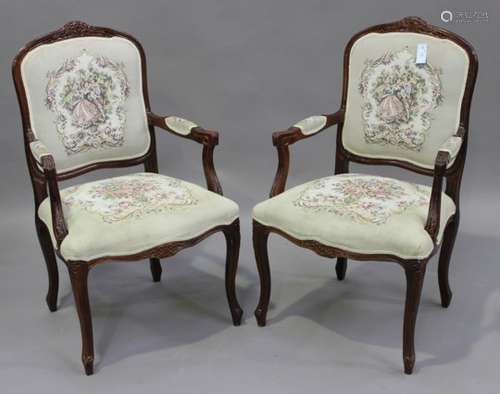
{"points": [[399, 110], [85, 100], [179, 125], [311, 125], [452, 146], [129, 214], [38, 150], [357, 213]]}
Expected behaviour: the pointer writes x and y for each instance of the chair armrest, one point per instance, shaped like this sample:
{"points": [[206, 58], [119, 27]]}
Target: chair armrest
{"points": [[446, 154], [452, 146], [304, 129], [307, 128], [187, 129], [45, 159], [38, 151]]}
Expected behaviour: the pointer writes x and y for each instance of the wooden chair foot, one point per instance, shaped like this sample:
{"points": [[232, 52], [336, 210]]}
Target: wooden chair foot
{"points": [[156, 270], [446, 299], [51, 300], [88, 364], [341, 268], [409, 363], [260, 315], [236, 314]]}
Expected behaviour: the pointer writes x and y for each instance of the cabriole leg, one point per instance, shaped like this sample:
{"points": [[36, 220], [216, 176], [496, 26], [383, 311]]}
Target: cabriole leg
{"points": [[260, 237], [449, 237], [78, 272], [232, 234], [415, 273], [50, 262]]}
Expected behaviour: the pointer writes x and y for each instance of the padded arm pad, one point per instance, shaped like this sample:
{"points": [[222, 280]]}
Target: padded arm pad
{"points": [[452, 146], [311, 125], [179, 125], [39, 150]]}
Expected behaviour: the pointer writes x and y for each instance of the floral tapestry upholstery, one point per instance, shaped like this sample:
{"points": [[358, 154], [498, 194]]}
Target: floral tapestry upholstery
{"points": [[396, 108], [85, 100], [132, 213], [357, 213]]}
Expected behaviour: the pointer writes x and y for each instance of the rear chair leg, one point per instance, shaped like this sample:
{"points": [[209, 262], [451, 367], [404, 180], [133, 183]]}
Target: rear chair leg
{"points": [[449, 237], [260, 237], [78, 273], [232, 235], [341, 267], [156, 270]]}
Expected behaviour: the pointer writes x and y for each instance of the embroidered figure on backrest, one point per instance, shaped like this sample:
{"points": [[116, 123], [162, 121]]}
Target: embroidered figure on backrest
{"points": [[87, 94], [399, 99]]}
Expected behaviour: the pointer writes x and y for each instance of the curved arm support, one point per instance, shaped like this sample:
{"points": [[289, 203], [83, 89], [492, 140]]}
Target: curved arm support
{"points": [[447, 152], [187, 129], [43, 157], [301, 130]]}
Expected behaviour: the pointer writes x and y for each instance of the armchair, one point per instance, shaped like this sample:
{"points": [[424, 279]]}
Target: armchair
{"points": [[84, 103], [394, 111]]}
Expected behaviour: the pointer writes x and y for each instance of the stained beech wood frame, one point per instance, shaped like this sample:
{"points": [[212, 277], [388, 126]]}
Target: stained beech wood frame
{"points": [[414, 269], [45, 183]]}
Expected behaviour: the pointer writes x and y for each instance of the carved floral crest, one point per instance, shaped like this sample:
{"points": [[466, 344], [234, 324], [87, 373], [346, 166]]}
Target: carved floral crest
{"points": [[399, 99], [87, 93]]}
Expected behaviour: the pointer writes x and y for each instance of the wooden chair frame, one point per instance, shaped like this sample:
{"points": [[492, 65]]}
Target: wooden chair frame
{"points": [[45, 183], [414, 269]]}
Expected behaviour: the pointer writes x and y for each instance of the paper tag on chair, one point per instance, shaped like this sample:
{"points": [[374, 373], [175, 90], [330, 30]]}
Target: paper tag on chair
{"points": [[421, 56]]}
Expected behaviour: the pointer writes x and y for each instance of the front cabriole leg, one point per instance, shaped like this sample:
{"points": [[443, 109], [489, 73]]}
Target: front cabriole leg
{"points": [[415, 272], [50, 262], [78, 272]]}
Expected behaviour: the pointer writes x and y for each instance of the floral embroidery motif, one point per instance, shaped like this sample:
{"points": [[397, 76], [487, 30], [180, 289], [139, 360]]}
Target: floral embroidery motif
{"points": [[87, 94], [399, 98], [130, 197], [362, 198]]}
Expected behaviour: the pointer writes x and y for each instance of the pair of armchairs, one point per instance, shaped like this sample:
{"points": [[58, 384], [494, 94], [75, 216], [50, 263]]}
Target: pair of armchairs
{"points": [[84, 103]]}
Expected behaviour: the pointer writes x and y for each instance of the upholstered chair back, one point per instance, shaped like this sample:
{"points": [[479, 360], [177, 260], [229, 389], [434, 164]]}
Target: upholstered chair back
{"points": [[85, 100], [398, 106]]}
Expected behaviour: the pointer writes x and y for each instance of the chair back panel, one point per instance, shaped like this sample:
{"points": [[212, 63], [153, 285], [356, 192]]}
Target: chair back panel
{"points": [[85, 100], [397, 109]]}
